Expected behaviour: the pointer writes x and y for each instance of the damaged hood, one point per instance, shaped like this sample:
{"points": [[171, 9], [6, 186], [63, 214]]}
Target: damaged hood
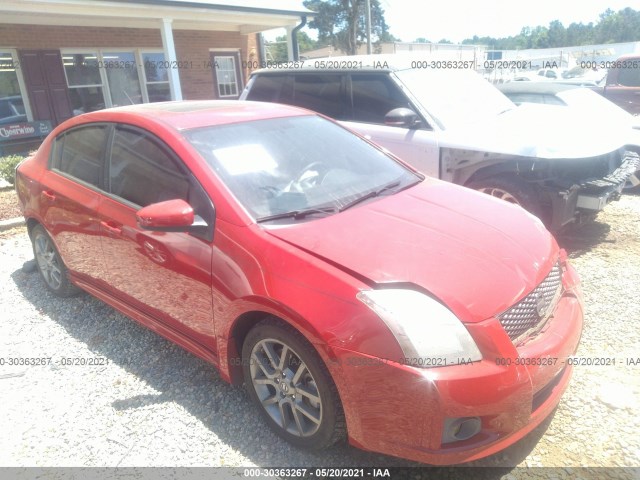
{"points": [[474, 115], [542, 131], [477, 254]]}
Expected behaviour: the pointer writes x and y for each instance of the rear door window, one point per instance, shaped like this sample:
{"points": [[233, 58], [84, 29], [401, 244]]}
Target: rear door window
{"points": [[79, 153]]}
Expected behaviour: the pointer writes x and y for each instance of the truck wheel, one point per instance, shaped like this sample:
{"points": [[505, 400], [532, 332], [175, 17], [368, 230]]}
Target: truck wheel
{"points": [[511, 189]]}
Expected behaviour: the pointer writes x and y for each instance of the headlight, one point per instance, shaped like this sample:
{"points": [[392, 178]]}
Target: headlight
{"points": [[427, 331]]}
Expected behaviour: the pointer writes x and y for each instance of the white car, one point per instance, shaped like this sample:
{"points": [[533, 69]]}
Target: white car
{"points": [[583, 101], [448, 122]]}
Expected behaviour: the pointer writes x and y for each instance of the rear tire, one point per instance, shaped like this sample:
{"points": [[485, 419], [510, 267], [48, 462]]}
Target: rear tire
{"points": [[291, 386], [50, 264]]}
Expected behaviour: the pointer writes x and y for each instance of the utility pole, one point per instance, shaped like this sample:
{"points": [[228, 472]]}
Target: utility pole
{"points": [[368, 23]]}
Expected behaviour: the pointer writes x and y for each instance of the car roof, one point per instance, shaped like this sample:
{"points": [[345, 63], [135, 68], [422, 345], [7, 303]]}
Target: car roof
{"points": [[629, 56], [377, 63], [183, 115], [548, 88]]}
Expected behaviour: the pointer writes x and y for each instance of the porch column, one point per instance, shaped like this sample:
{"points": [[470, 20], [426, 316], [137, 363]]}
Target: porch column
{"points": [[290, 55], [170, 56]]}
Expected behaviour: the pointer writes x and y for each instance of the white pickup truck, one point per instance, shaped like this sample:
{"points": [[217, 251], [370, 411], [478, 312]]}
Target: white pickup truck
{"points": [[446, 121]]}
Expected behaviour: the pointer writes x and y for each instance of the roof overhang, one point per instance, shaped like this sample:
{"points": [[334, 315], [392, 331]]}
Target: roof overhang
{"points": [[245, 17]]}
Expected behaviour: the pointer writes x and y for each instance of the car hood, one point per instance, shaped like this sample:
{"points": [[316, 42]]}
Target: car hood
{"points": [[543, 131], [477, 254]]}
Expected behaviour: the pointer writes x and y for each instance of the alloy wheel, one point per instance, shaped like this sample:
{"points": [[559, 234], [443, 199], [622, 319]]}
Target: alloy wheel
{"points": [[48, 261], [501, 194], [286, 388]]}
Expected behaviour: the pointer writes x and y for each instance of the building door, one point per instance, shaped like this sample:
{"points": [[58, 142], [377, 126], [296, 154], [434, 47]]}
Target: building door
{"points": [[46, 85], [227, 78]]}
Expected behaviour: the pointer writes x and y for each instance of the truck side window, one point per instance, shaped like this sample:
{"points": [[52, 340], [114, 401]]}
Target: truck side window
{"points": [[374, 96], [318, 92], [267, 88]]}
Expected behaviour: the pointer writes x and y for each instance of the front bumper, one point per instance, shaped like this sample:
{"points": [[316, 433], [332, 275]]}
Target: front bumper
{"points": [[595, 194], [400, 410], [587, 198]]}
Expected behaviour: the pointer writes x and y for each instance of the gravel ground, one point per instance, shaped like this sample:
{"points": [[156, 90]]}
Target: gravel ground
{"points": [[150, 403], [9, 204]]}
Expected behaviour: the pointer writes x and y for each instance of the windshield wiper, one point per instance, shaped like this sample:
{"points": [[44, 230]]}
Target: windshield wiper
{"points": [[297, 214], [372, 194]]}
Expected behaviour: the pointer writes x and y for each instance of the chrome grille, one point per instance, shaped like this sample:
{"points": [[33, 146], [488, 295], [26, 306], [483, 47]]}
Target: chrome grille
{"points": [[531, 313]]}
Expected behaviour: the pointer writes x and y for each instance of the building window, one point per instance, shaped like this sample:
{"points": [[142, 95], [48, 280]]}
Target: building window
{"points": [[12, 104], [226, 79], [156, 77], [103, 79], [122, 78], [84, 81]]}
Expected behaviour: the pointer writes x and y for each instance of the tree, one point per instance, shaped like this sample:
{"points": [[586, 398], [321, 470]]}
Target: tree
{"points": [[341, 23], [277, 51], [557, 34], [613, 27]]}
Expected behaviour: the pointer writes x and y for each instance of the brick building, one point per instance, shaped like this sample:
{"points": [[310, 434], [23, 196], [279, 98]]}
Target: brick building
{"points": [[60, 58]]}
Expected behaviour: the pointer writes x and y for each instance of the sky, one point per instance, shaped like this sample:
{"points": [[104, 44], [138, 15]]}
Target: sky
{"points": [[456, 20]]}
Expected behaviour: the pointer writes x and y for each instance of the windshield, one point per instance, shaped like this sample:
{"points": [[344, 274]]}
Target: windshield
{"points": [[454, 97], [301, 165]]}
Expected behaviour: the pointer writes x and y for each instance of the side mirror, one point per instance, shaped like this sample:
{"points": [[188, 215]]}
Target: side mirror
{"points": [[170, 216], [402, 117]]}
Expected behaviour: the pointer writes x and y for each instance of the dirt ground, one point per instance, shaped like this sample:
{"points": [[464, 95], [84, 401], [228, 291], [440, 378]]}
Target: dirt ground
{"points": [[9, 204]]}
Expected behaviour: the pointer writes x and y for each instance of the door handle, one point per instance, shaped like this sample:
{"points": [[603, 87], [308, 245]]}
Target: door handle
{"points": [[49, 195], [113, 230]]}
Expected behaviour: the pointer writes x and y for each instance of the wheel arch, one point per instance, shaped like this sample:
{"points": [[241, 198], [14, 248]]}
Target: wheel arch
{"points": [[31, 224], [518, 167], [231, 348]]}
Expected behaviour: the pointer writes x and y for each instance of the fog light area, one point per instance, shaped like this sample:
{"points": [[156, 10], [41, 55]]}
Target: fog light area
{"points": [[463, 428]]}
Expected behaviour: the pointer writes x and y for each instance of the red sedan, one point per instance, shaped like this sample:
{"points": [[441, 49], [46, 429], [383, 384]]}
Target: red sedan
{"points": [[354, 297]]}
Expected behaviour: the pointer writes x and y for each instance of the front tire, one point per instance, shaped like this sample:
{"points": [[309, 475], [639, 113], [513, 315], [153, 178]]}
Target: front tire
{"points": [[513, 190], [50, 264], [291, 386]]}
